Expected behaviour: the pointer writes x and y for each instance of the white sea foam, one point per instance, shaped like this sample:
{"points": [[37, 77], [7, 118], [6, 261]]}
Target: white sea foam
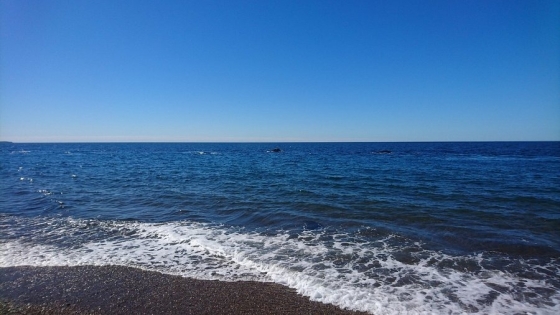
{"points": [[202, 152], [20, 152], [330, 268]]}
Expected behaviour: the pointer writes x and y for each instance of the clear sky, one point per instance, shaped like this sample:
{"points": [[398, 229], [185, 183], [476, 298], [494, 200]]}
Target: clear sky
{"points": [[113, 70]]}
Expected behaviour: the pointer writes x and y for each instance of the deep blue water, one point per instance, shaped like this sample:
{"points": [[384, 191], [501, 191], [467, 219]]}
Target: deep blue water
{"points": [[390, 228]]}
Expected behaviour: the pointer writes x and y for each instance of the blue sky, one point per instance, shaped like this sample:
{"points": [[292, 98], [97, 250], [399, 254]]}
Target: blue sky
{"points": [[279, 70]]}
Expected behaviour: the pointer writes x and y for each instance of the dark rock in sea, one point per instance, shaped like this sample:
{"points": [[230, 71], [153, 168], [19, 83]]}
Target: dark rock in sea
{"points": [[276, 150]]}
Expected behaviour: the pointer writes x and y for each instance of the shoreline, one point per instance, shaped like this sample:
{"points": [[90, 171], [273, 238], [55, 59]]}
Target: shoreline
{"points": [[128, 290]]}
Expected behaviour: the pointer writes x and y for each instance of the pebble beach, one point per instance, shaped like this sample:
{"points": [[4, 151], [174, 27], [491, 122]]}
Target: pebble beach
{"points": [[126, 290]]}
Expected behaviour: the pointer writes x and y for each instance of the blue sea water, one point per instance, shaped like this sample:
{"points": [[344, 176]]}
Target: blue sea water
{"points": [[388, 228]]}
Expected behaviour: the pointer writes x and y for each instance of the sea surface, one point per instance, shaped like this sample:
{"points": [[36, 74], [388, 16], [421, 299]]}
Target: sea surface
{"points": [[388, 228]]}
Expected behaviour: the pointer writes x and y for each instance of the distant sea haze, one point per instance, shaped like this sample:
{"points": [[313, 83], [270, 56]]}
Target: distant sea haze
{"points": [[387, 228]]}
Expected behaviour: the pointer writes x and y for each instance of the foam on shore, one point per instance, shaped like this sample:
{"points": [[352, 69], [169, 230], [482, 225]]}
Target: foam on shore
{"points": [[338, 269]]}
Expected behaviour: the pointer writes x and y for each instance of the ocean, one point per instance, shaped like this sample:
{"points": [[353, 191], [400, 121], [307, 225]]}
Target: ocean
{"points": [[387, 228]]}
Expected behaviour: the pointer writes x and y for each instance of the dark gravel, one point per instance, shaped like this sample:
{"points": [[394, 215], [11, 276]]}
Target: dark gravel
{"points": [[125, 290]]}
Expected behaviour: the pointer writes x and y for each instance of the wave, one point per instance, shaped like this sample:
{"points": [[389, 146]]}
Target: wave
{"points": [[365, 271]]}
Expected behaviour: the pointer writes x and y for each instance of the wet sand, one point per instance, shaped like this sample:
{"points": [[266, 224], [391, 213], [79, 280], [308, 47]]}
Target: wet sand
{"points": [[125, 290]]}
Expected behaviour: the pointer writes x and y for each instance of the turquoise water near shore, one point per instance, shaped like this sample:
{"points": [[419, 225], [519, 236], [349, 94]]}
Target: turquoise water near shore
{"points": [[388, 228]]}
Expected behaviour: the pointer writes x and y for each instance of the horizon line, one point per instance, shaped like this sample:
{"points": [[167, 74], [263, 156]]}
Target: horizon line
{"points": [[268, 141]]}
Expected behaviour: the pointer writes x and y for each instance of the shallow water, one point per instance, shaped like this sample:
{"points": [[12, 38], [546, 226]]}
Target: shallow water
{"points": [[389, 228]]}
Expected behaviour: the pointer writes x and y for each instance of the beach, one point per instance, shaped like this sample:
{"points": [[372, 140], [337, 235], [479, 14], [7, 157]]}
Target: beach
{"points": [[126, 290]]}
